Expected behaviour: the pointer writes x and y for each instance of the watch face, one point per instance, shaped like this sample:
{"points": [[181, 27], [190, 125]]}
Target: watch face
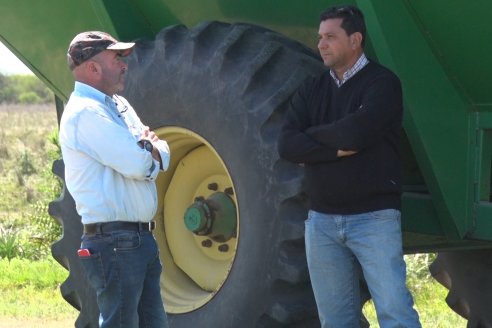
{"points": [[148, 146]]}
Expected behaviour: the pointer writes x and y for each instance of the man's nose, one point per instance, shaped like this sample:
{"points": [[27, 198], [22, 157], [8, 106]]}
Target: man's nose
{"points": [[124, 65], [321, 44]]}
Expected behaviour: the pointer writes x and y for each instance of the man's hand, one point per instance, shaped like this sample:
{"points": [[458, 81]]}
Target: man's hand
{"points": [[344, 153], [149, 135], [152, 137]]}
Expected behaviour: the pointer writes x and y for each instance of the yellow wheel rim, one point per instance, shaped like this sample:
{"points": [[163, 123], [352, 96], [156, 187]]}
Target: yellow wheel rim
{"points": [[195, 267]]}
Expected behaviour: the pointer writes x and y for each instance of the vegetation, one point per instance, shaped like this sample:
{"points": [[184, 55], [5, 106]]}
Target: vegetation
{"points": [[428, 295], [27, 149], [30, 279], [30, 289], [23, 89]]}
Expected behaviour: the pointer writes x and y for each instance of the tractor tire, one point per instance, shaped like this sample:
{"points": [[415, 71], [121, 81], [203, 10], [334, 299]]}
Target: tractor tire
{"points": [[467, 275], [217, 94]]}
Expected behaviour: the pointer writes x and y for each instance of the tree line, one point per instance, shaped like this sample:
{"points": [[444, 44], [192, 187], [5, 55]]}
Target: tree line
{"points": [[23, 89]]}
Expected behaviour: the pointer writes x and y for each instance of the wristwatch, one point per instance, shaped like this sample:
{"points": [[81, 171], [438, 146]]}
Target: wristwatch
{"points": [[147, 145]]}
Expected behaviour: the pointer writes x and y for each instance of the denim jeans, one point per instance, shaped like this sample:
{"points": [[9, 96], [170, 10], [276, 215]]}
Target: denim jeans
{"points": [[124, 269], [335, 245]]}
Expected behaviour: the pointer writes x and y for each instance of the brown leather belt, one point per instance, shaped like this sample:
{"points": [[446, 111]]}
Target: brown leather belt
{"points": [[106, 227]]}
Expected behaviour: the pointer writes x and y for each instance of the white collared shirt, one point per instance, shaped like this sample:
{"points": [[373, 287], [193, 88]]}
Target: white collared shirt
{"points": [[109, 176], [359, 64]]}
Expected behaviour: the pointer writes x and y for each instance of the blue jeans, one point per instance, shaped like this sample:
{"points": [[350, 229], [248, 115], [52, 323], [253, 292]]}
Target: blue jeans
{"points": [[335, 245], [124, 269]]}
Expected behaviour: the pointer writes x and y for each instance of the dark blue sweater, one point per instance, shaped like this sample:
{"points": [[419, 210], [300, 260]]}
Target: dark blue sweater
{"points": [[364, 115]]}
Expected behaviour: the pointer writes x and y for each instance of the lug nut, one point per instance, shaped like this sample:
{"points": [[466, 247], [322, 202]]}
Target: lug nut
{"points": [[229, 191], [224, 248], [207, 243], [213, 186]]}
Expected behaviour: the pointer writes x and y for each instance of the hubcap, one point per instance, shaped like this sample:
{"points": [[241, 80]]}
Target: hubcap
{"points": [[214, 217]]}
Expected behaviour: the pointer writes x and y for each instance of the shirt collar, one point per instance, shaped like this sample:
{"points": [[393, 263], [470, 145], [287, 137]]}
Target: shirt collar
{"points": [[359, 64], [85, 90]]}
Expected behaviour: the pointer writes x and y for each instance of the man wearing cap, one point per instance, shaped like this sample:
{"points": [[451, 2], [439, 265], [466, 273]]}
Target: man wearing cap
{"points": [[111, 163]]}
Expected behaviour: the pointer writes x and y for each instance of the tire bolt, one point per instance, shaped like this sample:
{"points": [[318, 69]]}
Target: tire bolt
{"points": [[207, 243], [224, 248], [229, 191], [213, 186]]}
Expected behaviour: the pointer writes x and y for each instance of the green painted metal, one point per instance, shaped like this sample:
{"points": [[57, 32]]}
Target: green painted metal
{"points": [[196, 218], [214, 217], [438, 48], [413, 38], [427, 89]]}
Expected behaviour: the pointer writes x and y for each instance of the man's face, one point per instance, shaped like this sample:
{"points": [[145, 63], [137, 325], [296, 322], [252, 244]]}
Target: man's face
{"points": [[113, 68], [336, 47]]}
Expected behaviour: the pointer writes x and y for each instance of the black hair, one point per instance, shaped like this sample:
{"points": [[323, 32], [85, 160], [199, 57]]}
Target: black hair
{"points": [[352, 19]]}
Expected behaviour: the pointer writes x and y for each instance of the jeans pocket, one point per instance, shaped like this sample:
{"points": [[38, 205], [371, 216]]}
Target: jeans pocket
{"points": [[126, 241], [387, 214], [94, 270]]}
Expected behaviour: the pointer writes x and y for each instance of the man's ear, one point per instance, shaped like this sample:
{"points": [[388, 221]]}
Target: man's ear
{"points": [[356, 40], [93, 67]]}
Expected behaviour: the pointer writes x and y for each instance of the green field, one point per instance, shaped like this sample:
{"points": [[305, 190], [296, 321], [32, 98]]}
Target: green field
{"points": [[29, 283], [30, 289]]}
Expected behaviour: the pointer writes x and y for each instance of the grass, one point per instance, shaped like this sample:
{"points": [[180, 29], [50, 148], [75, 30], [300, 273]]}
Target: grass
{"points": [[31, 290], [25, 157]]}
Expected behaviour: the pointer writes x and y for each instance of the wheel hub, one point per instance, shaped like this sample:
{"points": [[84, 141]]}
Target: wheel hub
{"points": [[197, 221], [214, 217]]}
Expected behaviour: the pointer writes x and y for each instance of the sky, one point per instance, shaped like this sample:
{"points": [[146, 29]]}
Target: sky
{"points": [[10, 64]]}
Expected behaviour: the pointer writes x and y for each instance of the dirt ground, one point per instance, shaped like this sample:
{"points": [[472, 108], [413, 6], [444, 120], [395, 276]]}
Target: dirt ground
{"points": [[35, 323]]}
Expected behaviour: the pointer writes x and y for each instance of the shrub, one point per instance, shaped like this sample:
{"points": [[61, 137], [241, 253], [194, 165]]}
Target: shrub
{"points": [[25, 89], [44, 230], [28, 186], [418, 273], [30, 97], [9, 247], [43, 233]]}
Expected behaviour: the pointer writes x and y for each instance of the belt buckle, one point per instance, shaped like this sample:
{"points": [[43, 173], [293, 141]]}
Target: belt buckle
{"points": [[148, 226]]}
